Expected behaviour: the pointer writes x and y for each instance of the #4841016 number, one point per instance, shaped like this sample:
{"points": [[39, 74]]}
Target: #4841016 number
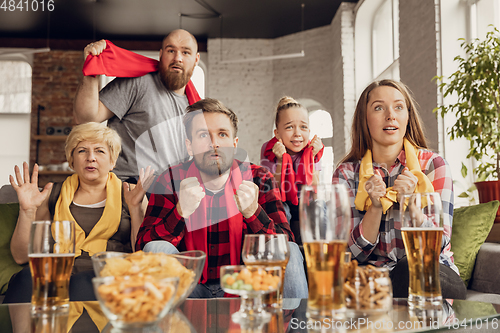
{"points": [[27, 5]]}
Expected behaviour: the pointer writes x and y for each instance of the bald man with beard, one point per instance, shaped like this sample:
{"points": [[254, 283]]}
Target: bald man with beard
{"points": [[146, 111]]}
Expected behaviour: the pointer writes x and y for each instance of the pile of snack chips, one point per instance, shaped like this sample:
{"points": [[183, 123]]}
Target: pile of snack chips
{"points": [[136, 298], [255, 279], [156, 265]]}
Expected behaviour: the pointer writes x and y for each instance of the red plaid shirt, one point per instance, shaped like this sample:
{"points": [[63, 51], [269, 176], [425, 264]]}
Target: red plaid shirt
{"points": [[163, 222]]}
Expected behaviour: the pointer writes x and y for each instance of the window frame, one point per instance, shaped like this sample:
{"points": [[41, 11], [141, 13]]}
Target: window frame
{"points": [[392, 70]]}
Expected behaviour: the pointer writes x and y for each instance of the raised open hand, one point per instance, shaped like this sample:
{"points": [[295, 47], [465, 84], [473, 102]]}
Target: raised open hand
{"points": [[28, 194], [134, 194]]}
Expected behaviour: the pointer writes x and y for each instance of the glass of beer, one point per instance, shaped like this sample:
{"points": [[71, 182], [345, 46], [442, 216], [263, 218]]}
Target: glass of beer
{"points": [[268, 250], [325, 225], [51, 252], [422, 232]]}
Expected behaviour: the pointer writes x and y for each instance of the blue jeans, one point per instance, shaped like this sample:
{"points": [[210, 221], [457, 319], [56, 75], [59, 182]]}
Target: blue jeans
{"points": [[295, 277]]}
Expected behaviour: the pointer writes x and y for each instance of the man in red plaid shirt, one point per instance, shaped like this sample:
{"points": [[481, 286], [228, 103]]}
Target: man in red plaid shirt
{"points": [[210, 202]]}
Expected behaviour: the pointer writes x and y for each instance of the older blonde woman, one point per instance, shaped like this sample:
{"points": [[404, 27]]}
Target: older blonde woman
{"points": [[106, 217]]}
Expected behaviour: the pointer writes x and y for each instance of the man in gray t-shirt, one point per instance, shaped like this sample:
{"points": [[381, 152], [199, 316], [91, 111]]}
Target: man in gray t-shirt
{"points": [[148, 118], [145, 111]]}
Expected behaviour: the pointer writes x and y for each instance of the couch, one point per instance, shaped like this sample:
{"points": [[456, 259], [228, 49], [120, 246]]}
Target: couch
{"points": [[478, 261]]}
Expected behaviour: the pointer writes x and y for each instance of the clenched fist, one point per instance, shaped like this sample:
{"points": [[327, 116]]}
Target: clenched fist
{"points": [[316, 144], [246, 198], [376, 189], [190, 195], [405, 183], [279, 150], [94, 48]]}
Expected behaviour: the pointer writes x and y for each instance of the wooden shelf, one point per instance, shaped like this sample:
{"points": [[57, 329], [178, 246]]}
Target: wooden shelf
{"points": [[50, 137], [54, 173]]}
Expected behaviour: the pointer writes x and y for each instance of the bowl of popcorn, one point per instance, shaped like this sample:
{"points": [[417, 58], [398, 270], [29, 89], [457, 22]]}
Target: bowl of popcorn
{"points": [[135, 300], [367, 289], [186, 266]]}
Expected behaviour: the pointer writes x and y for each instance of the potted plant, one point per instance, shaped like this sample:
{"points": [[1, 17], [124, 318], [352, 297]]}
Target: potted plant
{"points": [[476, 84]]}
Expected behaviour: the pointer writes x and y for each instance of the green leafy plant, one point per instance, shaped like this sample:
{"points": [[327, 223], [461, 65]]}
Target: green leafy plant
{"points": [[476, 83], [468, 190]]}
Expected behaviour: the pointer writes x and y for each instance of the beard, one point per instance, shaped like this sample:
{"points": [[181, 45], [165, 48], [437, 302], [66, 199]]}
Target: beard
{"points": [[175, 80], [215, 167]]}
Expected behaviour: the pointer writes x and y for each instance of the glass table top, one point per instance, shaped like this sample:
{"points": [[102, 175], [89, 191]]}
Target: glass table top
{"points": [[214, 315]]}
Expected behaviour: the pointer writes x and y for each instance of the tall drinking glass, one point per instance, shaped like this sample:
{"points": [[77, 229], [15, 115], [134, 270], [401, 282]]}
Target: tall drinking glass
{"points": [[51, 252], [268, 250], [325, 225], [422, 232]]}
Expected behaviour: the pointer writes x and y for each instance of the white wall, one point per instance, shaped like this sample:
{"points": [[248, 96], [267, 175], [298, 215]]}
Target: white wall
{"points": [[15, 143], [454, 26], [14, 128], [418, 60]]}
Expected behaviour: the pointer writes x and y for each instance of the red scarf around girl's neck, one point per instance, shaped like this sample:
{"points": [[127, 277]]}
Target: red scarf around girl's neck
{"points": [[290, 178]]}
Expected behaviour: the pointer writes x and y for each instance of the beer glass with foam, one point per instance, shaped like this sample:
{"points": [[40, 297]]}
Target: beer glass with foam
{"points": [[51, 252], [325, 225], [422, 232]]}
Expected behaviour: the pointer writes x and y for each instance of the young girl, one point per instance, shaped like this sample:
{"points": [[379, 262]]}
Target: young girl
{"points": [[389, 149], [291, 157]]}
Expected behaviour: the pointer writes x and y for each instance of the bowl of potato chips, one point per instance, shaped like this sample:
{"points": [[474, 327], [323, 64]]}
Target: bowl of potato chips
{"points": [[187, 266], [135, 300]]}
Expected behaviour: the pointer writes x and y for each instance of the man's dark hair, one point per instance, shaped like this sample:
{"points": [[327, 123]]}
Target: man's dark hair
{"points": [[208, 105]]}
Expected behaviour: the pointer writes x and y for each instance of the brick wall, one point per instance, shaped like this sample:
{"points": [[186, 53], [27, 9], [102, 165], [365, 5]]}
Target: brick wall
{"points": [[307, 77], [251, 89], [418, 62], [56, 75], [244, 87]]}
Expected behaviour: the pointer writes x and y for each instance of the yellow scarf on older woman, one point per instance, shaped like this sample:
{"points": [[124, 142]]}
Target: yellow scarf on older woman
{"points": [[93, 309], [363, 201], [107, 225]]}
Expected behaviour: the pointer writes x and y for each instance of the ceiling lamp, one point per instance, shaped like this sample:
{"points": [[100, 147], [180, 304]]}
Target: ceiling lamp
{"points": [[265, 58]]}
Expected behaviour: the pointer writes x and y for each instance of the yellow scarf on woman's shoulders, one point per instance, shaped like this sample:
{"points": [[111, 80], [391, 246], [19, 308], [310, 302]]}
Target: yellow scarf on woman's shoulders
{"points": [[363, 201], [107, 225]]}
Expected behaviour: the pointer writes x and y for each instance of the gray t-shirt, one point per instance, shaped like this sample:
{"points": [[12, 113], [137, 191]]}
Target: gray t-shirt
{"points": [[148, 118]]}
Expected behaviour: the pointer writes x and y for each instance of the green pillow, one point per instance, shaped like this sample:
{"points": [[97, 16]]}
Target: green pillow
{"points": [[8, 267], [471, 226], [473, 309]]}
